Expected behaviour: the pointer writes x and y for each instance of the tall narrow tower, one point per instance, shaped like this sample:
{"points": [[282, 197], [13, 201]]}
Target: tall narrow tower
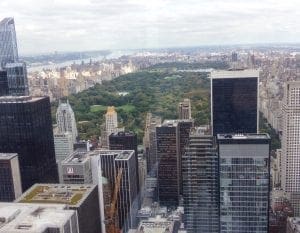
{"points": [[65, 119], [184, 109], [111, 121], [290, 178]]}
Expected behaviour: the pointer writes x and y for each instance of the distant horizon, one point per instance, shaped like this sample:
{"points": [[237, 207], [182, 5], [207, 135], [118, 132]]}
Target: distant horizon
{"points": [[237, 46]]}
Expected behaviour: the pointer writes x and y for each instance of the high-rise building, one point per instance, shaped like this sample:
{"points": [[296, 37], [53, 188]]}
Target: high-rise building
{"points": [[17, 79], [26, 129], [290, 164], [200, 176], [63, 143], [244, 182], [168, 163], [125, 141], [10, 178], [111, 120], [76, 169], [8, 42], [79, 197], [107, 163], [234, 101], [65, 120], [184, 109], [4, 90], [37, 218]]}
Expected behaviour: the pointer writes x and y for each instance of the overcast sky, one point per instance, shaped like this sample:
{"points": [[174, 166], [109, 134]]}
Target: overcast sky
{"points": [[76, 25]]}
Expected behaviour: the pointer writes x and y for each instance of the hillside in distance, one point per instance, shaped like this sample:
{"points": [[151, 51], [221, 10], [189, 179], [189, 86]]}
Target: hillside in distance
{"points": [[154, 90]]}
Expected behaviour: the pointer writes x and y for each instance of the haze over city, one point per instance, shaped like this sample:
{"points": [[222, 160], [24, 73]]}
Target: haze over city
{"points": [[66, 25]]}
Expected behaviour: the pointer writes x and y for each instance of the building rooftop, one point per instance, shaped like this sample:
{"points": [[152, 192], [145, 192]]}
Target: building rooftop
{"points": [[246, 73], [32, 218], [123, 133], [78, 157], [69, 194], [294, 223], [119, 154], [156, 225], [6, 156], [19, 99], [172, 123], [242, 136]]}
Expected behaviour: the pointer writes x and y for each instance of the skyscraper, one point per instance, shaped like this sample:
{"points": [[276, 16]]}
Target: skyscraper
{"points": [[65, 119], [168, 163], [234, 101], [10, 178], [184, 109], [8, 42], [244, 182], [200, 178], [111, 120], [17, 79], [290, 164], [3, 83], [26, 129], [108, 163]]}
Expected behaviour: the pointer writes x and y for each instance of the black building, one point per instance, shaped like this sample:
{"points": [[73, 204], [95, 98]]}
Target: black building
{"points": [[234, 101], [125, 141], [200, 179], [26, 129], [10, 179], [3, 83]]}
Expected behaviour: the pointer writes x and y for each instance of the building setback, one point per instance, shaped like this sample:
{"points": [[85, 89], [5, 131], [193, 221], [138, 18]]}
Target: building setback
{"points": [[10, 179], [234, 101], [82, 198], [200, 178], [244, 182], [26, 129]]}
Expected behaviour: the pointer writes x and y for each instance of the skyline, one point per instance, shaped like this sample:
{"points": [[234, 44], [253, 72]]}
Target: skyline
{"points": [[91, 25]]}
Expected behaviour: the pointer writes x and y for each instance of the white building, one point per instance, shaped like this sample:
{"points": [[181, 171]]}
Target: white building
{"points": [[65, 119], [290, 177], [63, 144], [37, 218]]}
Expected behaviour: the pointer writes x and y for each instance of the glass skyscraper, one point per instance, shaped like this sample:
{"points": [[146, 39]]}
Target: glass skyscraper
{"points": [[200, 178], [8, 42], [234, 101], [244, 182], [26, 129]]}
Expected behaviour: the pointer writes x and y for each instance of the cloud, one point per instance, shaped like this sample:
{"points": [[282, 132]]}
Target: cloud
{"points": [[64, 25]]}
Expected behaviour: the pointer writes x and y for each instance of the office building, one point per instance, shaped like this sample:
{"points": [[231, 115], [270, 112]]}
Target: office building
{"points": [[244, 182], [10, 178], [107, 163], [3, 83], [290, 169], [65, 120], [200, 181], [185, 109], [8, 42], [82, 198], [293, 225], [111, 120], [17, 79], [234, 101], [26, 129], [37, 218], [125, 141], [76, 169], [168, 163], [63, 144]]}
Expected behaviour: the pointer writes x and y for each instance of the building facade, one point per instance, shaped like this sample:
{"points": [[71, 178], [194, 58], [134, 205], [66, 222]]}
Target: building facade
{"points": [[8, 42], [26, 129], [63, 143], [200, 176], [234, 101], [244, 182], [17, 79], [290, 169], [10, 178], [185, 109], [65, 120], [3, 83]]}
